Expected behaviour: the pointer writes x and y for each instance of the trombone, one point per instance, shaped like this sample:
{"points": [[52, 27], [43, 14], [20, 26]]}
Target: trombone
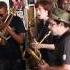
{"points": [[3, 25]]}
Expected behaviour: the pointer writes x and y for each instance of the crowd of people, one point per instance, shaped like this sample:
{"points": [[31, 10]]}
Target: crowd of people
{"points": [[54, 23]]}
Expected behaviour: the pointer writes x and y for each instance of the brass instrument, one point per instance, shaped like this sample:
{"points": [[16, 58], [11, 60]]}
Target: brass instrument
{"points": [[3, 25], [33, 56]]}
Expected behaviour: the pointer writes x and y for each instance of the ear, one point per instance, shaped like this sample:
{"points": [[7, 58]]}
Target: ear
{"points": [[7, 11]]}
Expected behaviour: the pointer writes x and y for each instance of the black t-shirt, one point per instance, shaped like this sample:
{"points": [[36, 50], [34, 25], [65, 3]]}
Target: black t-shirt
{"points": [[66, 44], [11, 49], [42, 30], [62, 50]]}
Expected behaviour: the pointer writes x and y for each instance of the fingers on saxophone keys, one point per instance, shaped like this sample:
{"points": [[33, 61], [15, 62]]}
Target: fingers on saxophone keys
{"points": [[36, 45], [33, 45]]}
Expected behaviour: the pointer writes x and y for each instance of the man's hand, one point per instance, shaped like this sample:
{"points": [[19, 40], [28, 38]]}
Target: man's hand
{"points": [[36, 45], [44, 66], [9, 29], [46, 46], [18, 37]]}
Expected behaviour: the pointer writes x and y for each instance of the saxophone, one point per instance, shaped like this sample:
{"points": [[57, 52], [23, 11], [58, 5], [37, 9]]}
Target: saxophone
{"points": [[33, 56]]}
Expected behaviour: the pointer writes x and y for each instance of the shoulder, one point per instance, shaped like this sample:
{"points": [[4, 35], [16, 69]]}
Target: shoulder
{"points": [[16, 18]]}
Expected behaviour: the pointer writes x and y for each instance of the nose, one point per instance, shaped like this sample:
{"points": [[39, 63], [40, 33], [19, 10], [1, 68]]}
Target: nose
{"points": [[38, 12]]}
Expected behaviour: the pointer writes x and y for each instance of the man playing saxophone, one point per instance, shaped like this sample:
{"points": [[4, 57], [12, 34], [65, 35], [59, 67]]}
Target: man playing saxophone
{"points": [[43, 36], [49, 52]]}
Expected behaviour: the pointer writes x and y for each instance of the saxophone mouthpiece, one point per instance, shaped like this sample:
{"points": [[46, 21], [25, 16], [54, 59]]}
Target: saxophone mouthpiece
{"points": [[45, 36], [49, 32]]}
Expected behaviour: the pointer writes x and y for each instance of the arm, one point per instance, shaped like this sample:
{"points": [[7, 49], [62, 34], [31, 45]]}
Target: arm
{"points": [[38, 45], [19, 38], [45, 66], [64, 67], [47, 46], [16, 30]]}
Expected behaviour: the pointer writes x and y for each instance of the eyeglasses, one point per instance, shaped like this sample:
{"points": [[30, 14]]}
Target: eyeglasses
{"points": [[57, 21], [54, 22]]}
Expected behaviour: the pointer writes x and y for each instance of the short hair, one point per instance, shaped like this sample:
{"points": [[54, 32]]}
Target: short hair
{"points": [[3, 5], [44, 3]]}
